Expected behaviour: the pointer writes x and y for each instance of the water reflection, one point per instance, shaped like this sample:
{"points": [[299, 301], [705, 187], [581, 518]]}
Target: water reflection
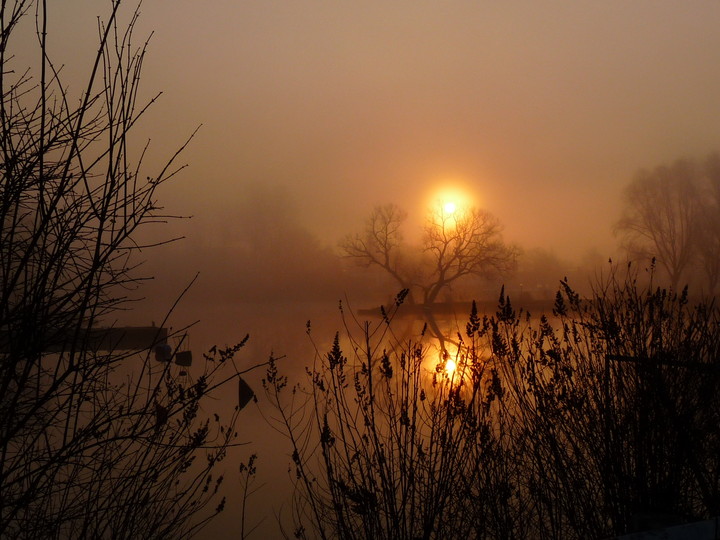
{"points": [[282, 330]]}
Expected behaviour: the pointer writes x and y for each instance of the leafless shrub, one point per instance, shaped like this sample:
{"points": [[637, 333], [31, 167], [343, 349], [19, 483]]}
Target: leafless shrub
{"points": [[95, 442], [592, 421]]}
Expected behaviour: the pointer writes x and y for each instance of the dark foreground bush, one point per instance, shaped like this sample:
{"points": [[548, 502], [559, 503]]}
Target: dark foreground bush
{"points": [[597, 419], [95, 442]]}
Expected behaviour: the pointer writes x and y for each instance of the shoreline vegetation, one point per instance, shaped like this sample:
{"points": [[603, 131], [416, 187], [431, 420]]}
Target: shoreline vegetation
{"points": [[596, 420]]}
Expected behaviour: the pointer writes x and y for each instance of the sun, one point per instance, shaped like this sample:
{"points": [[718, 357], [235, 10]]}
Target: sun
{"points": [[450, 200], [450, 366], [450, 207]]}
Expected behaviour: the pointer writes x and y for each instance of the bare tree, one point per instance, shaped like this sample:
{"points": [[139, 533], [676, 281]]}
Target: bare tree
{"points": [[709, 233], [381, 244], [455, 245], [94, 441], [661, 218]]}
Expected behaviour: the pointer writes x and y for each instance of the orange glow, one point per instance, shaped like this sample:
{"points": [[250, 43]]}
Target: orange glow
{"points": [[450, 207], [450, 366], [450, 199]]}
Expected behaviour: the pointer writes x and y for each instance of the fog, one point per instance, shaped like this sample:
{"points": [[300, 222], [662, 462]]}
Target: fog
{"points": [[544, 110], [312, 113]]}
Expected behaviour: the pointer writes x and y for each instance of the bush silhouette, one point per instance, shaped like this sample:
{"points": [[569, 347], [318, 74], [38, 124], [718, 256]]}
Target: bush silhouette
{"points": [[593, 420]]}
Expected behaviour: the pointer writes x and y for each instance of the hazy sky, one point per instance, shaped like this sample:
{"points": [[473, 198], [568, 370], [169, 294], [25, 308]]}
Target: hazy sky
{"points": [[543, 110]]}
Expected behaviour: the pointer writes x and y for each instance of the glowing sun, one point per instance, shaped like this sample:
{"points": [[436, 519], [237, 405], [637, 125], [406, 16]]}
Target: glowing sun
{"points": [[450, 201], [450, 366], [449, 207]]}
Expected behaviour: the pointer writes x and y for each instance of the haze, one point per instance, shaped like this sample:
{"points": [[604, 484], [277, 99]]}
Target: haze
{"points": [[314, 112], [544, 109]]}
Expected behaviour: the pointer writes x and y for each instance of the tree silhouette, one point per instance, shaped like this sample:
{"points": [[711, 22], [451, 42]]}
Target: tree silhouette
{"points": [[456, 244], [709, 235], [662, 217], [95, 440]]}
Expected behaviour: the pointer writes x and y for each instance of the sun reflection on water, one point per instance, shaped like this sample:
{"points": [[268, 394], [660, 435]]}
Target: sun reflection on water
{"points": [[450, 366]]}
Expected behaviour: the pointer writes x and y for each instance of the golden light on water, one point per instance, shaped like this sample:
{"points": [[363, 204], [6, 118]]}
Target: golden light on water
{"points": [[450, 366], [448, 359]]}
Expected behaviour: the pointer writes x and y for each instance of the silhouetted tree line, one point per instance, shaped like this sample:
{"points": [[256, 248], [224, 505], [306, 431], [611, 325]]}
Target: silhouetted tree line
{"points": [[267, 255], [596, 420]]}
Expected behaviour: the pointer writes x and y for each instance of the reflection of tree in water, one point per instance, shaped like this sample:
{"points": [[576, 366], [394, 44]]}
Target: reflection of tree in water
{"points": [[442, 324], [413, 320]]}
